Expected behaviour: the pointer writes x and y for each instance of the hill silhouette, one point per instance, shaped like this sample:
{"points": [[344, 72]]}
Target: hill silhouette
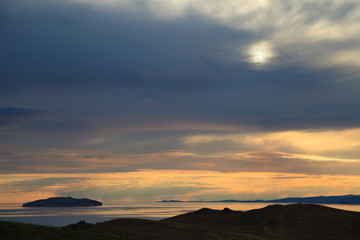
{"points": [[275, 222], [296, 221]]}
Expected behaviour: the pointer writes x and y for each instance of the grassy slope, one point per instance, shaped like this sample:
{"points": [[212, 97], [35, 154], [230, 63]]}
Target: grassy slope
{"points": [[21, 231]]}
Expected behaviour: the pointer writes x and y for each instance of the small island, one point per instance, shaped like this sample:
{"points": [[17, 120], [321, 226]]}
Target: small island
{"points": [[63, 202]]}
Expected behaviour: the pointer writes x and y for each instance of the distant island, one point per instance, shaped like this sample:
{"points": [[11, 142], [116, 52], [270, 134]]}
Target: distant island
{"points": [[344, 199], [63, 202]]}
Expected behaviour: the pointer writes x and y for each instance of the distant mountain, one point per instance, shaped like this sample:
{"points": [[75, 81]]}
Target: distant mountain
{"points": [[344, 199], [63, 202]]}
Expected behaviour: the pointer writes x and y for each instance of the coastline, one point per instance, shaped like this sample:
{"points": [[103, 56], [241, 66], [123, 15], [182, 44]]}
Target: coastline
{"points": [[280, 222]]}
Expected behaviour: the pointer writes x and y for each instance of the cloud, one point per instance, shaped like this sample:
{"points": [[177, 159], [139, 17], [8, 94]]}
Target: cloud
{"points": [[284, 23], [260, 54], [135, 193], [150, 185], [340, 143], [261, 86], [13, 118], [100, 49], [33, 184], [99, 161], [281, 162], [116, 66]]}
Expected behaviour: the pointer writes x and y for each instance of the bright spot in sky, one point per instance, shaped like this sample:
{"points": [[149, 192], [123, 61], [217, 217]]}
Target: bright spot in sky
{"points": [[260, 54]]}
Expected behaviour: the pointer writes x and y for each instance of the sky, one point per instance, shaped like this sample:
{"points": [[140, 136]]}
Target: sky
{"points": [[135, 101]]}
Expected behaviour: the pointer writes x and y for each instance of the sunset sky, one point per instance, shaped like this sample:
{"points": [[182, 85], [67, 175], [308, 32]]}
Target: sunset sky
{"points": [[141, 100]]}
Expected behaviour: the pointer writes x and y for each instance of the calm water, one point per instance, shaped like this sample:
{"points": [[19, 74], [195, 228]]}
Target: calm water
{"points": [[156, 210]]}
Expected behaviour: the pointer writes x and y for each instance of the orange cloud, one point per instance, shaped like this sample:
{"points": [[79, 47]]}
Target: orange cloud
{"points": [[152, 185], [342, 143]]}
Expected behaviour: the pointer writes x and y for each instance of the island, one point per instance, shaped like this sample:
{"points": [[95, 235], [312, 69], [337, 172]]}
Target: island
{"points": [[63, 202], [343, 199]]}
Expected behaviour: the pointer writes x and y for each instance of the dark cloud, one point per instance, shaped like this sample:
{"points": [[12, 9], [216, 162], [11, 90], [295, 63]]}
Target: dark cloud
{"points": [[12, 118], [34, 184], [63, 161], [8, 115], [139, 72], [58, 45]]}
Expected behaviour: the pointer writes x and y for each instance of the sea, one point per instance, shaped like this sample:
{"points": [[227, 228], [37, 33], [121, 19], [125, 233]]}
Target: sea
{"points": [[157, 210]]}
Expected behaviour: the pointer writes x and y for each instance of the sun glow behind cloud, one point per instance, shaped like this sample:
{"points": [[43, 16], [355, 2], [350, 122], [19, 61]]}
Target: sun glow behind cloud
{"points": [[260, 54]]}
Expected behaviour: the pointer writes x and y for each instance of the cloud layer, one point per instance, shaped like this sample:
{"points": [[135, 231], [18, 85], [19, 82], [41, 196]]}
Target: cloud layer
{"points": [[119, 86], [149, 185], [203, 62], [75, 161]]}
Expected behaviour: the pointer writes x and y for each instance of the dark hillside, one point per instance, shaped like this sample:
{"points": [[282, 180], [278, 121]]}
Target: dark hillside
{"points": [[296, 221]]}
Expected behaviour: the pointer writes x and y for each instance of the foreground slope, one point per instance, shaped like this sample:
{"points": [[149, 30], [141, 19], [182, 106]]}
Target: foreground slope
{"points": [[21, 231]]}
